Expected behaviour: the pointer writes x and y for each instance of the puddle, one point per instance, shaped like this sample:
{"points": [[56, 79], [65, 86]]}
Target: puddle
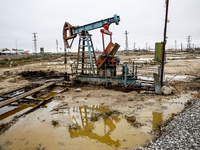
{"points": [[1, 98], [157, 119], [16, 93], [170, 77], [179, 77], [12, 94], [97, 126], [150, 59], [109, 132], [51, 94], [50, 63], [139, 60], [8, 111]]}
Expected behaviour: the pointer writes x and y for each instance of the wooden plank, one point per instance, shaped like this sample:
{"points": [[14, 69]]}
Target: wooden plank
{"points": [[25, 94]]}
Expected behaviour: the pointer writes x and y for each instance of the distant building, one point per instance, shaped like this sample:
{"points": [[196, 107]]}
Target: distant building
{"points": [[20, 51], [6, 51]]}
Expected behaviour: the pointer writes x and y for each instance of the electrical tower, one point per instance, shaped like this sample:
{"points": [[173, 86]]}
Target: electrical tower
{"points": [[189, 43], [35, 44], [126, 49], [57, 46]]}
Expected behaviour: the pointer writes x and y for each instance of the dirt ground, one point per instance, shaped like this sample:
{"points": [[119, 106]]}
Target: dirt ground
{"points": [[97, 117]]}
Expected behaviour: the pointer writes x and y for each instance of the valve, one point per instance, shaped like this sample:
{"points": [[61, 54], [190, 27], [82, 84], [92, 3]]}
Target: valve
{"points": [[112, 61]]}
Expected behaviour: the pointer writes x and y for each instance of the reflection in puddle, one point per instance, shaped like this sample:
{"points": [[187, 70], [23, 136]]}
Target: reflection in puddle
{"points": [[157, 119], [98, 127], [8, 111], [83, 115]]}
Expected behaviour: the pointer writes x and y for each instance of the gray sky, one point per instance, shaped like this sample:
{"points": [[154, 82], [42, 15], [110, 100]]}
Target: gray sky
{"points": [[143, 19]]}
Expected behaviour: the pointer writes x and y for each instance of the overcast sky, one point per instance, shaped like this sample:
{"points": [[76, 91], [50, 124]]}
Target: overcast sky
{"points": [[143, 19]]}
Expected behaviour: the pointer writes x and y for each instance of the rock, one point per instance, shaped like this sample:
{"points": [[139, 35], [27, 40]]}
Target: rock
{"points": [[59, 97], [7, 73], [137, 124], [2, 76], [195, 93], [172, 83], [12, 80], [88, 95], [173, 114], [173, 89], [166, 90], [131, 118], [102, 103], [78, 90], [73, 126], [130, 99]]}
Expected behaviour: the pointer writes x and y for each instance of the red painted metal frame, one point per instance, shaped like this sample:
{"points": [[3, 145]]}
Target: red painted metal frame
{"points": [[102, 59], [105, 31]]}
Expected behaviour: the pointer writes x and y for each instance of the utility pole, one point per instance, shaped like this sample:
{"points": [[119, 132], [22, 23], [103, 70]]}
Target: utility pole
{"points": [[189, 43], [134, 46], [175, 46], [164, 42], [57, 46], [126, 34], [65, 58], [16, 45], [35, 44], [181, 47], [146, 46]]}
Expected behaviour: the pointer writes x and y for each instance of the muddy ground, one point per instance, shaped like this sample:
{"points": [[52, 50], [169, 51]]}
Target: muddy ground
{"points": [[95, 117]]}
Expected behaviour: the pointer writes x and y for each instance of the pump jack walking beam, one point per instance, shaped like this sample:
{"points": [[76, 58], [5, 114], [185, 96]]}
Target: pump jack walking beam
{"points": [[70, 32]]}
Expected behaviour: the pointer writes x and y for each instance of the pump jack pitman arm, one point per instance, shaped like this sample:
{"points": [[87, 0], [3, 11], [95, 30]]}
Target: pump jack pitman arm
{"points": [[70, 32]]}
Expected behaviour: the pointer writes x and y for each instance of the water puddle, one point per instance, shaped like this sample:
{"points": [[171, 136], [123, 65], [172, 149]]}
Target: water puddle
{"points": [[88, 126], [22, 105], [8, 111], [157, 119], [1, 98], [179, 77], [11, 94], [51, 94], [97, 128], [139, 60], [16, 93]]}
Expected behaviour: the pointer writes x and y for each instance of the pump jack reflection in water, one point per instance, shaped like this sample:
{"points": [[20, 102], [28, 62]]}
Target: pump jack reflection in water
{"points": [[85, 130], [157, 120]]}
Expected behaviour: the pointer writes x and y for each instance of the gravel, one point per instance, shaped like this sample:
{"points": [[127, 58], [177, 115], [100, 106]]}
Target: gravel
{"points": [[182, 133]]}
